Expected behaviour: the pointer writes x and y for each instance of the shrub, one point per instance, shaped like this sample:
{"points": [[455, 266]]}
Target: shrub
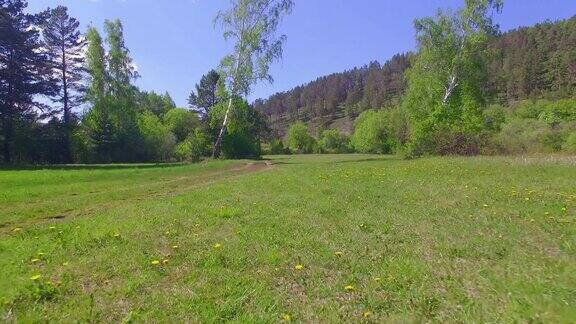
{"points": [[551, 112], [277, 147], [158, 141], [555, 113], [333, 141], [569, 145], [193, 148], [181, 122], [494, 118], [299, 140], [523, 136], [371, 134]]}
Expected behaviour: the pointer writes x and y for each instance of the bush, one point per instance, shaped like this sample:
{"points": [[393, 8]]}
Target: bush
{"points": [[551, 112], [193, 148], [158, 141], [299, 140], [569, 145], [371, 134], [277, 147], [494, 118], [333, 141], [181, 122], [523, 136]]}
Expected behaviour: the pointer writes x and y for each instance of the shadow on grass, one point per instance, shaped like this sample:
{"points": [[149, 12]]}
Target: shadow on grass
{"points": [[89, 166]]}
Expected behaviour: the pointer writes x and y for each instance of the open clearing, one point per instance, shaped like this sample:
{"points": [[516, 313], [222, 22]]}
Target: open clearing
{"points": [[311, 238]]}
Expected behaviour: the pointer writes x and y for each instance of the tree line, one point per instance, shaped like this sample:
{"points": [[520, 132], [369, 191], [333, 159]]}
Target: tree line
{"points": [[49, 70], [467, 89]]}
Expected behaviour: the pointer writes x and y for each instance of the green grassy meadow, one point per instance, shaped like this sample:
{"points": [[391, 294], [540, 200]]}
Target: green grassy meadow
{"points": [[331, 238]]}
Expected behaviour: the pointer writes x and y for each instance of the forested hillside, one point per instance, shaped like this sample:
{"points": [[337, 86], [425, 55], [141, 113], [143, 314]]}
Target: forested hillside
{"points": [[526, 63]]}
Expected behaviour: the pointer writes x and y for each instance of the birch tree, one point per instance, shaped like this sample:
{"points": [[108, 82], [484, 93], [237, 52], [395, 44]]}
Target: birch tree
{"points": [[447, 80], [251, 26]]}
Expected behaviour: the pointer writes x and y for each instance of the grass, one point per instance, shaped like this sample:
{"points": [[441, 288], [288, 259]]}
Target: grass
{"points": [[311, 238]]}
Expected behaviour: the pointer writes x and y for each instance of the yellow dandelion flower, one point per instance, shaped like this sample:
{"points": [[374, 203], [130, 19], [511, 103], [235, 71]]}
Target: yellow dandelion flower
{"points": [[35, 277], [299, 267], [366, 314], [167, 232], [155, 262], [286, 318], [217, 245], [339, 253], [349, 288]]}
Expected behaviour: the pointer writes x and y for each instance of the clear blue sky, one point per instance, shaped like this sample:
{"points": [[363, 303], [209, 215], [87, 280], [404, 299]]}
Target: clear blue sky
{"points": [[174, 42]]}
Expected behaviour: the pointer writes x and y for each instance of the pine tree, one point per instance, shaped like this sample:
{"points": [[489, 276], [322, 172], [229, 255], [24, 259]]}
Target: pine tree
{"points": [[25, 69], [65, 47], [205, 96]]}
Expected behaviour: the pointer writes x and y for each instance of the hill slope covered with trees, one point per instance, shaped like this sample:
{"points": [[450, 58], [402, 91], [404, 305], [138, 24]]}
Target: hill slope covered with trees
{"points": [[536, 62]]}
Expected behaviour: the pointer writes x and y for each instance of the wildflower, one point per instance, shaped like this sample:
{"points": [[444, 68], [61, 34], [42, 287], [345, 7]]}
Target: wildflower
{"points": [[286, 318], [366, 314], [155, 262], [35, 277], [349, 288], [217, 245], [299, 267], [339, 253], [167, 233]]}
